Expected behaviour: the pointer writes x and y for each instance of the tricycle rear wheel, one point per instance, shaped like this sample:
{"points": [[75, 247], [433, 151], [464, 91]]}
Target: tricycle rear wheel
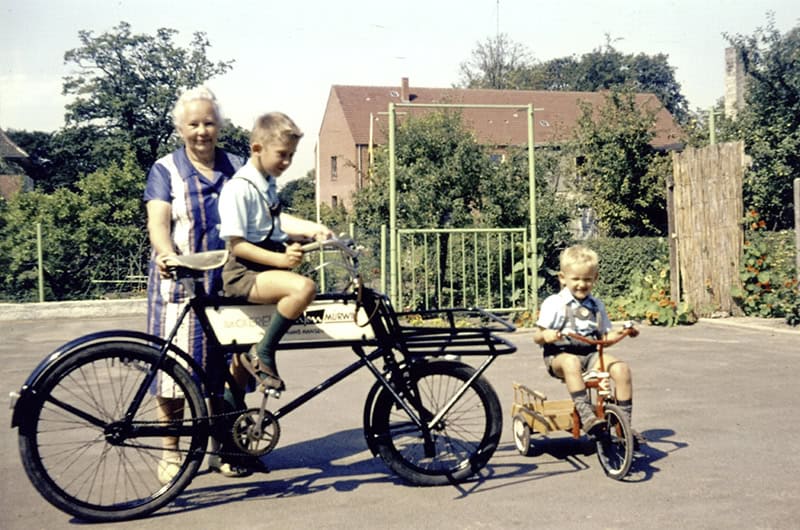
{"points": [[522, 435]]}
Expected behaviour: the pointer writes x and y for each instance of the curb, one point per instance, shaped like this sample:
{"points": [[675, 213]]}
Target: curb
{"points": [[774, 325], [74, 309]]}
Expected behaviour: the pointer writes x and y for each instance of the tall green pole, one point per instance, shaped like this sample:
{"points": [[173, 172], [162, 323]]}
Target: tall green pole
{"points": [[40, 260], [532, 206], [392, 208]]}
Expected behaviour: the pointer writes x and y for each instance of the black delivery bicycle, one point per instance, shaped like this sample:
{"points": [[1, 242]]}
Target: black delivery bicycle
{"points": [[90, 435]]}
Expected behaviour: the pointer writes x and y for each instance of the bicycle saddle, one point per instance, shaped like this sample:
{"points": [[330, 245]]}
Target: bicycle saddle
{"points": [[200, 261]]}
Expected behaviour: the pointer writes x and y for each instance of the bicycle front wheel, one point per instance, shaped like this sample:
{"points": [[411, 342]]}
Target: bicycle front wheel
{"points": [[455, 447], [85, 460], [615, 445]]}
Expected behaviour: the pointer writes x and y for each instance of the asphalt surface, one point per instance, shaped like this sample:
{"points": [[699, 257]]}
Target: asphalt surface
{"points": [[718, 401]]}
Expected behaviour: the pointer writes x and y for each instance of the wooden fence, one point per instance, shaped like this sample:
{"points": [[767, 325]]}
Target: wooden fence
{"points": [[707, 211]]}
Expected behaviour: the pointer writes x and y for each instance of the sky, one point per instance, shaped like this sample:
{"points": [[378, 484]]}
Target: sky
{"points": [[288, 54]]}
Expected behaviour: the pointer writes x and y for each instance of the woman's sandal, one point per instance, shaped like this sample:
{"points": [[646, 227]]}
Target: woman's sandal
{"points": [[265, 375]]}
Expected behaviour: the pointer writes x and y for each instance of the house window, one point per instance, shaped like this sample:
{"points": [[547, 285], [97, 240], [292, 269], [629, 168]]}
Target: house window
{"points": [[334, 201], [334, 172]]}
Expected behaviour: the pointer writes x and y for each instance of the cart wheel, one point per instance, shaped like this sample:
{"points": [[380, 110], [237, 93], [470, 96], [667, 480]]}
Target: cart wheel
{"points": [[522, 435]]}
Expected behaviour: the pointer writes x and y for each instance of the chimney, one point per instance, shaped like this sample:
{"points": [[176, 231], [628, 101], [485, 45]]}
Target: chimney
{"points": [[404, 95]]}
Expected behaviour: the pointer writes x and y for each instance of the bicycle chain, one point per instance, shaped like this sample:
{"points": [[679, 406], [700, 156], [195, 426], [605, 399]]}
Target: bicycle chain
{"points": [[212, 417]]}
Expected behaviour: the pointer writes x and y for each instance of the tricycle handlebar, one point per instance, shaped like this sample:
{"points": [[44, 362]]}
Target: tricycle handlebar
{"points": [[627, 331]]}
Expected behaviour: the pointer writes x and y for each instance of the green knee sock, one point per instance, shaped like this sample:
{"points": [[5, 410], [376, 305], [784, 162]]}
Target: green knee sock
{"points": [[277, 328], [232, 400]]}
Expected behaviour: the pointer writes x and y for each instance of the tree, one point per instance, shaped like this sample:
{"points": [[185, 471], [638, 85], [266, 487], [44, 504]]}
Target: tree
{"points": [[503, 64], [770, 121], [495, 63], [95, 232], [126, 84], [605, 68], [439, 168], [621, 178]]}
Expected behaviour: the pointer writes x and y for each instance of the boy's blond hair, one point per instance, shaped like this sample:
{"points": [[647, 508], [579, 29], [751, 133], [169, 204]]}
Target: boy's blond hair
{"points": [[274, 126], [578, 255]]}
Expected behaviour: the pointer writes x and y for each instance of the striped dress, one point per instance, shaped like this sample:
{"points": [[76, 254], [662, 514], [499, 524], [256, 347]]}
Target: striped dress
{"points": [[195, 228]]}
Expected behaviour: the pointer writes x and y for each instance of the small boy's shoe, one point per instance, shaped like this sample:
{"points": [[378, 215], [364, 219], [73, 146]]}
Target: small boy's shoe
{"points": [[226, 469], [638, 440], [594, 426]]}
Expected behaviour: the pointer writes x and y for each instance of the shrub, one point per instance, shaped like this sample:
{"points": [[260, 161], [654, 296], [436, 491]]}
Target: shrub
{"points": [[769, 279]]}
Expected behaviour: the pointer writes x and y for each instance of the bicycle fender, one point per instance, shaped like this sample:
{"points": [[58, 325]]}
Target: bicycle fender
{"points": [[28, 392], [369, 432]]}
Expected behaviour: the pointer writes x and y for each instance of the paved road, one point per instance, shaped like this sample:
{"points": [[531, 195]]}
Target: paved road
{"points": [[718, 401]]}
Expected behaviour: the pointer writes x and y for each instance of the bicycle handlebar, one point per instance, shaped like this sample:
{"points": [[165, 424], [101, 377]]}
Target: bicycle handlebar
{"points": [[347, 246]]}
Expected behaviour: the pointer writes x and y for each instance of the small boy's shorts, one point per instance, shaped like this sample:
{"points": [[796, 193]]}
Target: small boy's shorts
{"points": [[588, 360]]}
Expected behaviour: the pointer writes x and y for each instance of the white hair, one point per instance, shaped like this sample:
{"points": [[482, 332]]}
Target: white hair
{"points": [[194, 94]]}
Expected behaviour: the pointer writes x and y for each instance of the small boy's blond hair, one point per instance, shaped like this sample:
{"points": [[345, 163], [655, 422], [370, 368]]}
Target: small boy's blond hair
{"points": [[578, 255], [274, 126]]}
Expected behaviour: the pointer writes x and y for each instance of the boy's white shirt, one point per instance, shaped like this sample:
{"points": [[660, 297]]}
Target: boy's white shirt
{"points": [[243, 210]]}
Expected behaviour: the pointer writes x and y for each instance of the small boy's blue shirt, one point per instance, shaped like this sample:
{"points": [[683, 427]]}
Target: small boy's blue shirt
{"points": [[553, 315]]}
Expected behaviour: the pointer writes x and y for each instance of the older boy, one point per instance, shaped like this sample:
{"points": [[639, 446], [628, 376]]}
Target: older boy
{"points": [[575, 310], [258, 236]]}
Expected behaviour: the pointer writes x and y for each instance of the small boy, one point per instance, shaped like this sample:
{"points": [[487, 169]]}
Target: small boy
{"points": [[257, 234], [575, 310]]}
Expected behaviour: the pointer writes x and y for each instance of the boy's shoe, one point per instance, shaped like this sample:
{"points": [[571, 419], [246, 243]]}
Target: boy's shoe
{"points": [[226, 469], [167, 469], [593, 426], [265, 375]]}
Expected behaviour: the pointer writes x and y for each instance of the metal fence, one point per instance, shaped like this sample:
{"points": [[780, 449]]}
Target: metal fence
{"points": [[463, 268]]}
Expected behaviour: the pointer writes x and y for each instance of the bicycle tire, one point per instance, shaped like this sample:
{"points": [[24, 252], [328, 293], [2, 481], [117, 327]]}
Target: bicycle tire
{"points": [[615, 445], [72, 462], [463, 442]]}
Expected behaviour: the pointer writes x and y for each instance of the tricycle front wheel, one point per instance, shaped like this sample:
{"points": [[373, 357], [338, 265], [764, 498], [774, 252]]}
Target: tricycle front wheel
{"points": [[615, 445]]}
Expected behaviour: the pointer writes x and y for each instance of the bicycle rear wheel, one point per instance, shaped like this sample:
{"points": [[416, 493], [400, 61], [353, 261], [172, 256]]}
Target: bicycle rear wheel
{"points": [[81, 456], [458, 446], [615, 445]]}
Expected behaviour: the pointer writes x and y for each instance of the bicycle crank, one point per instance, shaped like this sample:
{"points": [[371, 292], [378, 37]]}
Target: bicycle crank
{"points": [[256, 432]]}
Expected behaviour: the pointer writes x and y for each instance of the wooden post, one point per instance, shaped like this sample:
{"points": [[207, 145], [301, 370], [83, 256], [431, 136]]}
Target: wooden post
{"points": [[672, 234]]}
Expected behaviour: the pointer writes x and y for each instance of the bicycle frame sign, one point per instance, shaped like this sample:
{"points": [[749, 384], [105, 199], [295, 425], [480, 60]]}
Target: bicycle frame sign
{"points": [[323, 320]]}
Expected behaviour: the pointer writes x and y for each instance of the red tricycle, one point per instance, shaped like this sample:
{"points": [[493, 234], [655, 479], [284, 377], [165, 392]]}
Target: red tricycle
{"points": [[533, 413]]}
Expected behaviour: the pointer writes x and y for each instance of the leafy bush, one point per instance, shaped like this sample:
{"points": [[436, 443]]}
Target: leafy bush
{"points": [[769, 280], [648, 299], [621, 257]]}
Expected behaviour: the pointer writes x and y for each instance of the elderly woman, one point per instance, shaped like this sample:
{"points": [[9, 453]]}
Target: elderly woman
{"points": [[182, 218]]}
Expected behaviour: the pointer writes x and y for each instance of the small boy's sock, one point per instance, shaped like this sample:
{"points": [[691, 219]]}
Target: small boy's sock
{"points": [[627, 409], [584, 407], [265, 349]]}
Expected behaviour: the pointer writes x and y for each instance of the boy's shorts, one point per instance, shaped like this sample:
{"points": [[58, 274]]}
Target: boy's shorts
{"points": [[239, 275], [588, 361]]}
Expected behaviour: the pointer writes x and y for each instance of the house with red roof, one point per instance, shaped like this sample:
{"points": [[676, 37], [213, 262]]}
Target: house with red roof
{"points": [[356, 118]]}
